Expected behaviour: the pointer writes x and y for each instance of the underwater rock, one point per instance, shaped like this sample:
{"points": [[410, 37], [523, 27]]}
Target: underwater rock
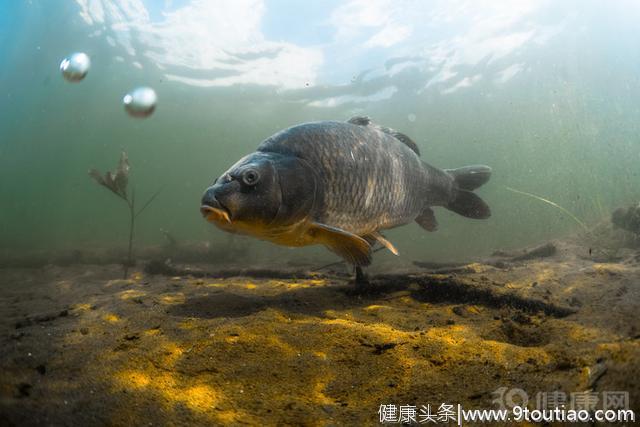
{"points": [[627, 219]]}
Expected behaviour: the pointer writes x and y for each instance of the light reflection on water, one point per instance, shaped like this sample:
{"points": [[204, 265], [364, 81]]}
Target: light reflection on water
{"points": [[224, 43]]}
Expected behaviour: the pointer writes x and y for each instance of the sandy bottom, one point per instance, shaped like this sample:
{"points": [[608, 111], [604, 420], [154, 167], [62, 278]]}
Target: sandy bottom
{"points": [[80, 347]]}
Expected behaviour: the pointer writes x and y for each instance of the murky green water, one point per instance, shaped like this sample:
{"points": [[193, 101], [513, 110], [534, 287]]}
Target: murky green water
{"points": [[546, 93]]}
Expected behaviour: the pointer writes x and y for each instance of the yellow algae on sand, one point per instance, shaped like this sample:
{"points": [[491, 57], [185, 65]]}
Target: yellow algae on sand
{"points": [[318, 392], [171, 299], [216, 285], [131, 293], [297, 285], [152, 332], [476, 267], [375, 307], [135, 379], [81, 307], [200, 397], [64, 285], [320, 355], [111, 318], [187, 324], [119, 282], [608, 268], [171, 353]]}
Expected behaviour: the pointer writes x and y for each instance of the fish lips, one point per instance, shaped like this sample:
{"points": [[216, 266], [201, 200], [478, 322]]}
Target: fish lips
{"points": [[214, 211]]}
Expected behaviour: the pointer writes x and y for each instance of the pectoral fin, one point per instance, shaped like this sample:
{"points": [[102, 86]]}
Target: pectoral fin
{"points": [[376, 236], [427, 220], [352, 248]]}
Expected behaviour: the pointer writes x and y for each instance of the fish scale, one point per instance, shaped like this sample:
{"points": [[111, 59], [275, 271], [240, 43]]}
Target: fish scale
{"points": [[348, 159]]}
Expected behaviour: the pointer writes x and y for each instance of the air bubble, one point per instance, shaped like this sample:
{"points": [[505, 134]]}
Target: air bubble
{"points": [[75, 67], [140, 102]]}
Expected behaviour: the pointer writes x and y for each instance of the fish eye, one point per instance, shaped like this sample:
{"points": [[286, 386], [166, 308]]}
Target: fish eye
{"points": [[250, 177]]}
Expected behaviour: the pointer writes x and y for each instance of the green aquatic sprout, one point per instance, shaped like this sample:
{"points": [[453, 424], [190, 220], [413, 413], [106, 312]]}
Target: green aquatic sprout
{"points": [[117, 182]]}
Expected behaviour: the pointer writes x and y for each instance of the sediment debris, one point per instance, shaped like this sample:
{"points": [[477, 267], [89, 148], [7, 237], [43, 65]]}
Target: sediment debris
{"points": [[542, 251], [41, 318], [436, 289], [501, 260], [546, 250], [166, 268]]}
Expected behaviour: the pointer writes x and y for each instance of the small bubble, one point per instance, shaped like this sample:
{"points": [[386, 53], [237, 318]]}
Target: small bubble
{"points": [[140, 102], [411, 117], [75, 67]]}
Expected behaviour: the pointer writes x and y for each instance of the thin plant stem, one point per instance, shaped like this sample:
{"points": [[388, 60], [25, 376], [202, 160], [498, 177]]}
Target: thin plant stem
{"points": [[116, 182], [542, 199], [148, 202], [343, 261], [132, 217]]}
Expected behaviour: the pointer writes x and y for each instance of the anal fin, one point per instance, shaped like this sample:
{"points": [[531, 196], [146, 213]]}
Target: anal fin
{"points": [[427, 220], [353, 249], [376, 236]]}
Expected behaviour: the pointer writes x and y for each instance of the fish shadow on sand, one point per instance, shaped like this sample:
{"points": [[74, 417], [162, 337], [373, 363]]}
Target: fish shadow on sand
{"points": [[316, 300]]}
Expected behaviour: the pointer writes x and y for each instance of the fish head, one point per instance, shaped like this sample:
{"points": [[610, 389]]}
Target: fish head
{"points": [[259, 193]]}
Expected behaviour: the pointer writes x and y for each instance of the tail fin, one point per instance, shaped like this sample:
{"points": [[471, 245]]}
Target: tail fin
{"points": [[466, 203], [470, 177]]}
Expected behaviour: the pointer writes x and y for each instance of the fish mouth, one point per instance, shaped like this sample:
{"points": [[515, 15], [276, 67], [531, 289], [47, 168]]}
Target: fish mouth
{"points": [[216, 213]]}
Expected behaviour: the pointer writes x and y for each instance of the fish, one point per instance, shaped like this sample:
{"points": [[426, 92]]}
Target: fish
{"points": [[339, 184]]}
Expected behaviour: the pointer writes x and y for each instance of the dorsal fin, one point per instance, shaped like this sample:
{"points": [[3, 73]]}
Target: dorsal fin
{"points": [[360, 120], [366, 121], [402, 138]]}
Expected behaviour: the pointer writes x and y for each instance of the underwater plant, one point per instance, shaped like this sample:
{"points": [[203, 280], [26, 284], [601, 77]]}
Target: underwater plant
{"points": [[117, 182], [551, 203]]}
